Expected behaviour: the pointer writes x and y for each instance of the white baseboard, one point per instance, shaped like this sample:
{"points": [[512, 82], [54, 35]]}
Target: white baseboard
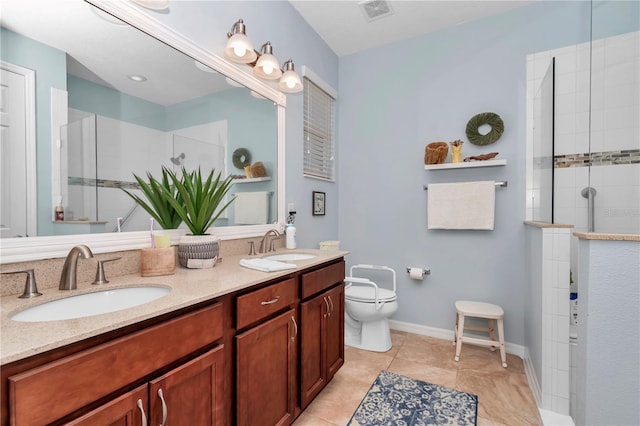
{"points": [[530, 372], [446, 334]]}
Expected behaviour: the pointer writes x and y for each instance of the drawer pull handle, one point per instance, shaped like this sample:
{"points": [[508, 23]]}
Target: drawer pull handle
{"points": [[164, 407], [144, 418], [326, 302], [331, 301], [295, 328], [271, 302]]}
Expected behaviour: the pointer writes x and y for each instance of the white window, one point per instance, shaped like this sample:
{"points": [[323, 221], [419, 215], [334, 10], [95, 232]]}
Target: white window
{"points": [[319, 127]]}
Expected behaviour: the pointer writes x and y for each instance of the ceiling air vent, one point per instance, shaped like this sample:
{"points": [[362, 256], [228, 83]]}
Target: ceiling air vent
{"points": [[375, 9]]}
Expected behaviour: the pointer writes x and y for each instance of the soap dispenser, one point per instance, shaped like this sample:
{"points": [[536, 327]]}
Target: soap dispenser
{"points": [[290, 230]]}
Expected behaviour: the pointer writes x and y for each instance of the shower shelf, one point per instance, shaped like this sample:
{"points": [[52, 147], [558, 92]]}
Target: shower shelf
{"points": [[251, 180], [466, 165]]}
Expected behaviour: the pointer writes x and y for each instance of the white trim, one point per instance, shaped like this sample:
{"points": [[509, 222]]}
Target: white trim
{"points": [[446, 334], [530, 372], [30, 141], [36, 248], [318, 81]]}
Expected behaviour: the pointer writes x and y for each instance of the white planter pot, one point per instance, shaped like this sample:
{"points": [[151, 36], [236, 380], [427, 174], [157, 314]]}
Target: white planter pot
{"points": [[198, 251]]}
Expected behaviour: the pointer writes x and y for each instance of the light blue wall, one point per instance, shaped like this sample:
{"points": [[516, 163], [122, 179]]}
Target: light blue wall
{"points": [[608, 357], [206, 23], [397, 99], [51, 71]]}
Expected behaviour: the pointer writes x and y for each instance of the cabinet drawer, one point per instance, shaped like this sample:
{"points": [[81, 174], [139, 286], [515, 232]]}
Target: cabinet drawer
{"points": [[259, 304], [51, 391], [317, 281]]}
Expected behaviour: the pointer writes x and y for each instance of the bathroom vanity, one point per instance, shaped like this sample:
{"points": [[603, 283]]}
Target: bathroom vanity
{"points": [[227, 345]]}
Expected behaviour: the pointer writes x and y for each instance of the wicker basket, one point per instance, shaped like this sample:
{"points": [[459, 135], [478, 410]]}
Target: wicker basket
{"points": [[435, 153]]}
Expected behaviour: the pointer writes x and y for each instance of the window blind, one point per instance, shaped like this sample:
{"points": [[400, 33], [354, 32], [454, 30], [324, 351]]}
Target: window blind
{"points": [[319, 132]]}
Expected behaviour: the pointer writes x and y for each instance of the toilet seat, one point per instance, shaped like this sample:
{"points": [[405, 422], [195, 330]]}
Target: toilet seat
{"points": [[367, 294]]}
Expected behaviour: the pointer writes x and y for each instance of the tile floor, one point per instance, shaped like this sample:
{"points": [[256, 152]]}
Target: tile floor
{"points": [[503, 394]]}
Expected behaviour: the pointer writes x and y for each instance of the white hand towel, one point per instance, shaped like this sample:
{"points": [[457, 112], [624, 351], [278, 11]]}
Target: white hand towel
{"points": [[465, 205], [251, 208], [266, 265]]}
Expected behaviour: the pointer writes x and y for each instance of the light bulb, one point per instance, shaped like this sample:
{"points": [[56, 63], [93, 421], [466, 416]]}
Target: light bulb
{"points": [[239, 50], [267, 68], [291, 83]]}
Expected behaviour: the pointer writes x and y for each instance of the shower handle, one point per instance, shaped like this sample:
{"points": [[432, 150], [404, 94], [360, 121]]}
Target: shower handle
{"points": [[589, 193]]}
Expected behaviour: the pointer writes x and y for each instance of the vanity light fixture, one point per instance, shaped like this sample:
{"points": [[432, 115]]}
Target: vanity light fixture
{"points": [[265, 65], [239, 48], [137, 78], [290, 80]]}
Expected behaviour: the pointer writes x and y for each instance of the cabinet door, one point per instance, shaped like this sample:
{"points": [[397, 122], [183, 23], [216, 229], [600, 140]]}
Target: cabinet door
{"points": [[321, 341], [191, 394], [312, 360], [334, 331], [266, 372], [129, 409]]}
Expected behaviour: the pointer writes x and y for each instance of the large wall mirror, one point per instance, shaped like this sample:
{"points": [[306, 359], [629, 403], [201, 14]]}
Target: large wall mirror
{"points": [[105, 98]]}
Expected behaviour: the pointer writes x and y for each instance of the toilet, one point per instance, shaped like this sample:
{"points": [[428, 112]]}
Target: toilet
{"points": [[368, 307]]}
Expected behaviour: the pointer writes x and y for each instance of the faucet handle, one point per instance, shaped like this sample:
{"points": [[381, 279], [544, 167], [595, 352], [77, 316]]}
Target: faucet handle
{"points": [[272, 243], [100, 276], [30, 287], [252, 248]]}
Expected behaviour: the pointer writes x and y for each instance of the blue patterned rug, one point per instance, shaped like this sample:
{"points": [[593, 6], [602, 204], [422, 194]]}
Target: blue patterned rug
{"points": [[398, 400]]}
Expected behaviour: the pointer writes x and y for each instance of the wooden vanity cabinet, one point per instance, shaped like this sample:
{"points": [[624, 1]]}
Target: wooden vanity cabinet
{"points": [[54, 392], [321, 330], [191, 394], [266, 355]]}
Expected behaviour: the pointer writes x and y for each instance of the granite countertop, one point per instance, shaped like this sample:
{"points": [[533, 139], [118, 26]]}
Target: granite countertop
{"points": [[188, 287]]}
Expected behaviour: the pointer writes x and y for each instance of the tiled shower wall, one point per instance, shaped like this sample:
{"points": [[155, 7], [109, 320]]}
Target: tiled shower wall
{"points": [[597, 137], [597, 119]]}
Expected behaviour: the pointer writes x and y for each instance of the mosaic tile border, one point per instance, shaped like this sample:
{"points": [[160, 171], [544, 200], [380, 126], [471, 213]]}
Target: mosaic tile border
{"points": [[101, 183], [605, 158]]}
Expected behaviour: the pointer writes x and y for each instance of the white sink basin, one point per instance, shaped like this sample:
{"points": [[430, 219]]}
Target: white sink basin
{"points": [[89, 304], [290, 256]]}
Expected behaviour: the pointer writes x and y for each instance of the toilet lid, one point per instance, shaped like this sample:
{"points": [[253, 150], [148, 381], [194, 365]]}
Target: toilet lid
{"points": [[361, 293]]}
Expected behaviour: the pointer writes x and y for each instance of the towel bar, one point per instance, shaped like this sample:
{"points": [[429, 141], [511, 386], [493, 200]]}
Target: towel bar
{"points": [[503, 184]]}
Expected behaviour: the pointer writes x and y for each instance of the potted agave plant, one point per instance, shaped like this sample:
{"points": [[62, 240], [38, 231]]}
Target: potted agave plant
{"points": [[198, 202], [157, 205]]}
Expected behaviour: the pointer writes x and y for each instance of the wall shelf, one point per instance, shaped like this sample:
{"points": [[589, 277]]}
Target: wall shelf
{"points": [[466, 165], [251, 180]]}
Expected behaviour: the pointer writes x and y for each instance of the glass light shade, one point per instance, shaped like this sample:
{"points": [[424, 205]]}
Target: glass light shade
{"points": [[267, 67], [290, 81], [239, 49]]}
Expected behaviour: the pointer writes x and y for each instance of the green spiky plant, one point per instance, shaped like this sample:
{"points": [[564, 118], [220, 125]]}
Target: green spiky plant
{"points": [[199, 203], [157, 204]]}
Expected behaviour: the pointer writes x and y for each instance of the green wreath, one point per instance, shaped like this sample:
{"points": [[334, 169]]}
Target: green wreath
{"points": [[490, 118], [241, 157]]}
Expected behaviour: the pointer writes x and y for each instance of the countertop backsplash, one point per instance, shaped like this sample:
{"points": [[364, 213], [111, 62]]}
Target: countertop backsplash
{"points": [[47, 271]]}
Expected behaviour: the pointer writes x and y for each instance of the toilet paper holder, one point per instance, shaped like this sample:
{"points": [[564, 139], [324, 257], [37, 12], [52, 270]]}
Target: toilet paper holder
{"points": [[424, 271]]}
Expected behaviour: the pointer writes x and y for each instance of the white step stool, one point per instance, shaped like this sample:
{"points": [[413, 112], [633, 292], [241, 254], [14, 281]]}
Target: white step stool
{"points": [[492, 313]]}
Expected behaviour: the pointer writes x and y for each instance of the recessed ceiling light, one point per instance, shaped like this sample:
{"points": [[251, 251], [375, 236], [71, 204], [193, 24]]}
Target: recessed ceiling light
{"points": [[137, 78]]}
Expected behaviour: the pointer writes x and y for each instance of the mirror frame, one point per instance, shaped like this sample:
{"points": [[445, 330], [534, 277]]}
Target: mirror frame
{"points": [[37, 248]]}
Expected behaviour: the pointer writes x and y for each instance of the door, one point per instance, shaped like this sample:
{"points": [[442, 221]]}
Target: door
{"points": [[334, 329], [321, 341], [191, 394], [313, 314], [129, 409], [15, 137], [266, 372]]}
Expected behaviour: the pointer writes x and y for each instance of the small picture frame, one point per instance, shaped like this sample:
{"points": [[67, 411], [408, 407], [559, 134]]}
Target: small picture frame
{"points": [[318, 200]]}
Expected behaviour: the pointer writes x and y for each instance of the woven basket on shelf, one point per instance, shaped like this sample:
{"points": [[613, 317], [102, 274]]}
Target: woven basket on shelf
{"points": [[435, 152]]}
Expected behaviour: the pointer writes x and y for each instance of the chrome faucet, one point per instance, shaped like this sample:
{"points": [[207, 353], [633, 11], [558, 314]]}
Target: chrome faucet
{"points": [[265, 240], [68, 277]]}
